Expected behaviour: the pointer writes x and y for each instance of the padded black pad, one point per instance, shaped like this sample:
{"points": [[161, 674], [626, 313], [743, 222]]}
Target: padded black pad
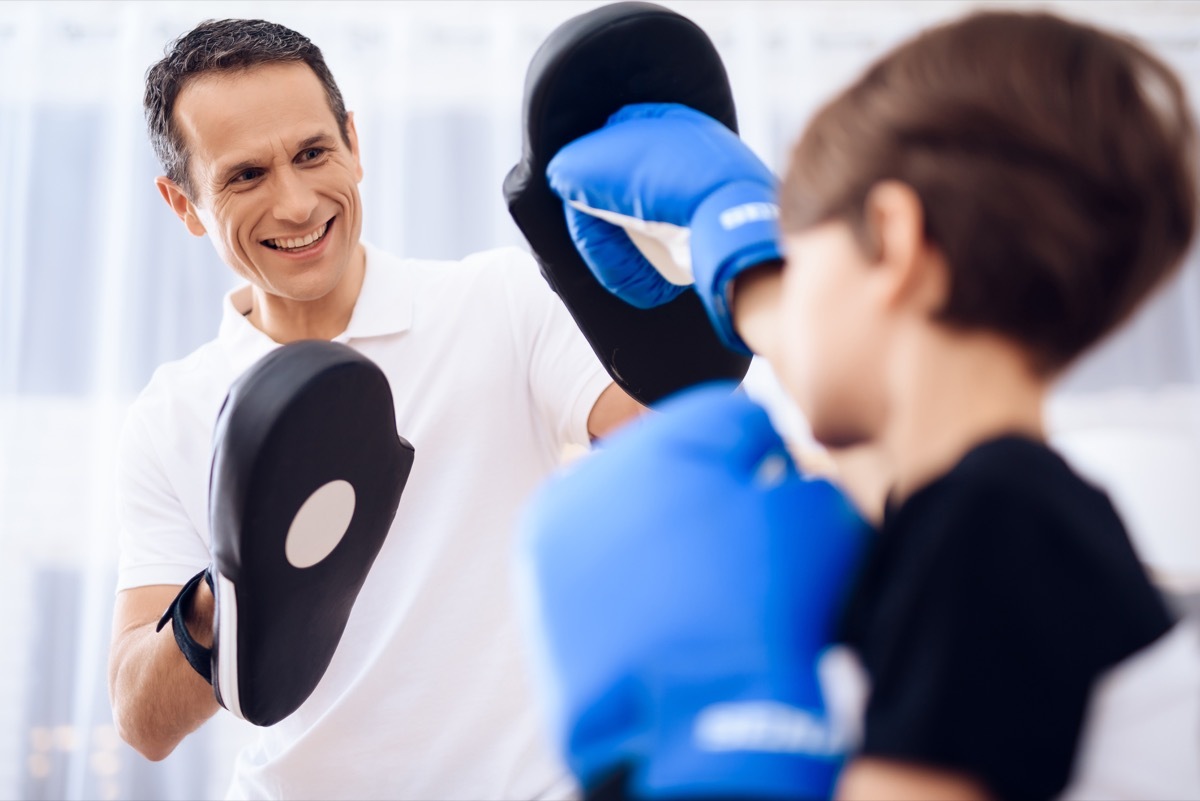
{"points": [[586, 70], [311, 420]]}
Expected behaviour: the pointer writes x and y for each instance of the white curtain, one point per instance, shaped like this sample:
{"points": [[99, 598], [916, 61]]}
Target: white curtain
{"points": [[99, 283]]}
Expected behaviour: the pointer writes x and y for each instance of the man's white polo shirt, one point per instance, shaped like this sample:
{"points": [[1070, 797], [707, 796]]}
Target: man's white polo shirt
{"points": [[427, 695]]}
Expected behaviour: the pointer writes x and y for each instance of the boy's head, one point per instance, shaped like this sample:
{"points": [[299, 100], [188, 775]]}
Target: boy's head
{"points": [[1045, 166]]}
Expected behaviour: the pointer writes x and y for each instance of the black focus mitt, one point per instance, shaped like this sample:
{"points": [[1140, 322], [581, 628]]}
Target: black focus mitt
{"points": [[307, 473], [588, 68]]}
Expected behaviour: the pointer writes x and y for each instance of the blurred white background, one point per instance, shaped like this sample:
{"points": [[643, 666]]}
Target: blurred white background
{"points": [[99, 283]]}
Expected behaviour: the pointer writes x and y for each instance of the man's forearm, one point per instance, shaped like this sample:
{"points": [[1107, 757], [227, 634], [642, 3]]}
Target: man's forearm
{"points": [[157, 697]]}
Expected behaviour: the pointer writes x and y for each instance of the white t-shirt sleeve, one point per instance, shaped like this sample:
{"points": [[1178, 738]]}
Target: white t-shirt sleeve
{"points": [[159, 543], [565, 377]]}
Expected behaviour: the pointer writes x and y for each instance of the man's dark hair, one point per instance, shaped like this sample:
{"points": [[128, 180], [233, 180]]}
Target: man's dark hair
{"points": [[1055, 163], [227, 45]]}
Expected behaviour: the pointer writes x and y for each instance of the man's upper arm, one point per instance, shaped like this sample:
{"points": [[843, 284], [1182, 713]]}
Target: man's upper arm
{"points": [[154, 530], [159, 544], [566, 379]]}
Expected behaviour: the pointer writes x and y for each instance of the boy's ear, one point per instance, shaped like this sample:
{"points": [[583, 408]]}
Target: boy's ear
{"points": [[178, 200], [916, 269]]}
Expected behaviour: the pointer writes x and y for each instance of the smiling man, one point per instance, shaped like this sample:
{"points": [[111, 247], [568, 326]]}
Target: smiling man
{"points": [[426, 695], [276, 189]]}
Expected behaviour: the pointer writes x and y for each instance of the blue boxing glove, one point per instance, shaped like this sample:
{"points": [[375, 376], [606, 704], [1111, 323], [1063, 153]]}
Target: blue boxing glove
{"points": [[686, 579], [664, 196]]}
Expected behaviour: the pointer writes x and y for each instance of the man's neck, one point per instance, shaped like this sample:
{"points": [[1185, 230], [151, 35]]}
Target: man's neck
{"points": [[286, 320]]}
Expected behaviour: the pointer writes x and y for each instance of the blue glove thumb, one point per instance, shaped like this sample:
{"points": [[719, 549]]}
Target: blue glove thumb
{"points": [[619, 265]]}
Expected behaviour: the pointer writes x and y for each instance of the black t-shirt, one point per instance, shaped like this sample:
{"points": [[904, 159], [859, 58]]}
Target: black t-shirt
{"points": [[992, 600]]}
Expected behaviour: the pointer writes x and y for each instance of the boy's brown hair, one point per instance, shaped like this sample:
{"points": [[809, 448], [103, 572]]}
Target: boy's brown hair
{"points": [[1054, 162]]}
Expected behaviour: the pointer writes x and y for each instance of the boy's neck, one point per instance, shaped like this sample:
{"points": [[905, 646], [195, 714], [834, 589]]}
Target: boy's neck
{"points": [[950, 392]]}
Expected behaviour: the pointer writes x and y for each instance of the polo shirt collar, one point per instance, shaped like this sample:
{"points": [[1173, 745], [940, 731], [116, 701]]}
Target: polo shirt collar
{"points": [[384, 307], [385, 302]]}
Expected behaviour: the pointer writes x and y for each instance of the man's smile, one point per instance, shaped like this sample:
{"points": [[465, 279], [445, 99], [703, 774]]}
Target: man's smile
{"points": [[300, 243]]}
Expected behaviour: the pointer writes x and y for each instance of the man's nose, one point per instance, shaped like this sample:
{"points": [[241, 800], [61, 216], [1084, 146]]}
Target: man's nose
{"points": [[295, 200]]}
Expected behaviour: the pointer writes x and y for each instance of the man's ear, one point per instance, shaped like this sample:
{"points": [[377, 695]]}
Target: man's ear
{"points": [[917, 272], [178, 200], [352, 135]]}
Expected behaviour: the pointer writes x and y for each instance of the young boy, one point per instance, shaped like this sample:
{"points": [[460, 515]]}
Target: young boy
{"points": [[983, 205]]}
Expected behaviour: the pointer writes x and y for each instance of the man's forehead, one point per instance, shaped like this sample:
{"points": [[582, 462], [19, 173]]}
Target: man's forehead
{"points": [[233, 115]]}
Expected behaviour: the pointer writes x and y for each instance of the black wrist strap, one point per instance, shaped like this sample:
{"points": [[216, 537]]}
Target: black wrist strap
{"points": [[199, 657]]}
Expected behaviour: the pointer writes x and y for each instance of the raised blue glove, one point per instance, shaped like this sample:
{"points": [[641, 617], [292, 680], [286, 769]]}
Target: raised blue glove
{"points": [[663, 196], [686, 579]]}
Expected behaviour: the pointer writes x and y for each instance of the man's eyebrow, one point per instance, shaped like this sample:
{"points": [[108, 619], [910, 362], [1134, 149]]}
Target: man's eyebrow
{"points": [[320, 138]]}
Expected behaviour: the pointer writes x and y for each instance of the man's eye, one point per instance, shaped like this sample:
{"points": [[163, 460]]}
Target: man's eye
{"points": [[312, 154], [245, 176]]}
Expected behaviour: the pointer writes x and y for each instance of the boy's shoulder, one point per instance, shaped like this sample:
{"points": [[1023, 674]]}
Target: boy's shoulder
{"points": [[1012, 534], [1010, 632], [1014, 492], [1015, 468]]}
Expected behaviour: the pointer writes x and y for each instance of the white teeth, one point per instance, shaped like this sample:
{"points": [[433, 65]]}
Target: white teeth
{"points": [[294, 244]]}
